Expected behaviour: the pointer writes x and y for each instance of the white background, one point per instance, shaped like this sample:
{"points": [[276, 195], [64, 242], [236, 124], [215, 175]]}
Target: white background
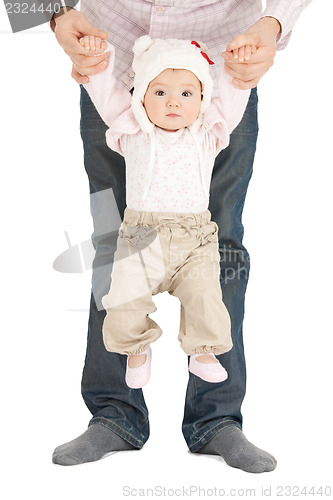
{"points": [[288, 327]]}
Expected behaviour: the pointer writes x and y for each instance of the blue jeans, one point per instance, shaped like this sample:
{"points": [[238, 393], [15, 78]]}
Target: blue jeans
{"points": [[208, 407]]}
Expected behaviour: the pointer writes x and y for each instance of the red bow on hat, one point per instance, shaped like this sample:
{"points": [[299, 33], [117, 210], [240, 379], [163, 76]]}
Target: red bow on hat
{"points": [[202, 53]]}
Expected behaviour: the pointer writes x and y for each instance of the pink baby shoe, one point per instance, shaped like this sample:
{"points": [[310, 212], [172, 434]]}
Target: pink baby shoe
{"points": [[210, 372], [138, 377]]}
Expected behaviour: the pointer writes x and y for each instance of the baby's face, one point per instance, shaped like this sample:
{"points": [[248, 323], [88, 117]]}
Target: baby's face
{"points": [[173, 99]]}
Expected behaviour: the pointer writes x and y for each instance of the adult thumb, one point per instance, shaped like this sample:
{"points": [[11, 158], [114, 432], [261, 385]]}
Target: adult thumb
{"points": [[242, 40], [86, 28]]}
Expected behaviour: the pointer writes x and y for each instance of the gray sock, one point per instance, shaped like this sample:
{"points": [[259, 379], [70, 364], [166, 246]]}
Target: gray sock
{"points": [[238, 452], [92, 445]]}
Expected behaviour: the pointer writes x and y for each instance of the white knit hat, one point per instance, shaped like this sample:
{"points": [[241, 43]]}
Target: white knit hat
{"points": [[152, 56]]}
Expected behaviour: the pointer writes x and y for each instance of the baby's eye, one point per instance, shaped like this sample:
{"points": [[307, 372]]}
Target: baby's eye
{"points": [[160, 92], [186, 93]]}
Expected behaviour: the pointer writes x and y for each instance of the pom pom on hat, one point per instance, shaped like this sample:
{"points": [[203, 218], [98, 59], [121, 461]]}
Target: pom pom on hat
{"points": [[142, 44], [152, 56]]}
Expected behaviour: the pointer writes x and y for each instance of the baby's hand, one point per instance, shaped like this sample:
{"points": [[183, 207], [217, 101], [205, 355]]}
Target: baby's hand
{"points": [[94, 44], [243, 53]]}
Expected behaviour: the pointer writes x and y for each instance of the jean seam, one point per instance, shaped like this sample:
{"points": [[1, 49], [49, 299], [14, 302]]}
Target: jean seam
{"points": [[121, 432], [220, 424]]}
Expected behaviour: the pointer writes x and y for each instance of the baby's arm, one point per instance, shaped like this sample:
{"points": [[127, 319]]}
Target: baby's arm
{"points": [[108, 95], [226, 110]]}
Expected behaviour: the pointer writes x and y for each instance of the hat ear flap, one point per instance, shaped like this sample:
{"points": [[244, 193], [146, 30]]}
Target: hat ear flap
{"points": [[142, 44]]}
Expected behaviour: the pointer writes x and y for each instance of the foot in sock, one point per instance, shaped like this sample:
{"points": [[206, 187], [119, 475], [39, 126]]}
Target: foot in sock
{"points": [[92, 445], [207, 367], [238, 452]]}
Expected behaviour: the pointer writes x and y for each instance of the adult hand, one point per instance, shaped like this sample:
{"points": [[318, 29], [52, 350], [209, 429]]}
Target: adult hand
{"points": [[68, 29], [247, 69]]}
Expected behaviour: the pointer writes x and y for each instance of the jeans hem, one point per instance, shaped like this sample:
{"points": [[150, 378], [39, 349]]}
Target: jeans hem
{"points": [[127, 436], [208, 435]]}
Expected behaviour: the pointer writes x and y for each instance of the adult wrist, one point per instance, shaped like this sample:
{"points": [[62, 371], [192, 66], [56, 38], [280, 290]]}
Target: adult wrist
{"points": [[275, 24], [63, 10]]}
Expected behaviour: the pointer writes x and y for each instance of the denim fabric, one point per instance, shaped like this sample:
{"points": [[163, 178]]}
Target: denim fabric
{"points": [[208, 407]]}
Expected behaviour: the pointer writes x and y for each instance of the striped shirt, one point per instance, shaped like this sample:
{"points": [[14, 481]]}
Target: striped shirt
{"points": [[214, 22]]}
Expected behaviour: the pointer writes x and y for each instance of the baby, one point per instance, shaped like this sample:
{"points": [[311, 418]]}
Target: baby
{"points": [[169, 132]]}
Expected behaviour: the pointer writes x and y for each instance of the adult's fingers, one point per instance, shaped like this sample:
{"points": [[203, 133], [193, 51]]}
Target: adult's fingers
{"points": [[240, 84], [87, 62], [91, 70], [246, 71], [242, 40], [78, 77], [246, 76]]}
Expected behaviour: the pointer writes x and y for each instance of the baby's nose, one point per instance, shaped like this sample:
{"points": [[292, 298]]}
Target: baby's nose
{"points": [[173, 102]]}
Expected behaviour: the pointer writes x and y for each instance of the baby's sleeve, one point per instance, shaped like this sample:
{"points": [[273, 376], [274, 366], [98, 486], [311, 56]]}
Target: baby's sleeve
{"points": [[113, 103], [110, 98], [226, 110]]}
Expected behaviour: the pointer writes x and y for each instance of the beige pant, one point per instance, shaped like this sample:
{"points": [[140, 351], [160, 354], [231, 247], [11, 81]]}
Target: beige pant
{"points": [[159, 252]]}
